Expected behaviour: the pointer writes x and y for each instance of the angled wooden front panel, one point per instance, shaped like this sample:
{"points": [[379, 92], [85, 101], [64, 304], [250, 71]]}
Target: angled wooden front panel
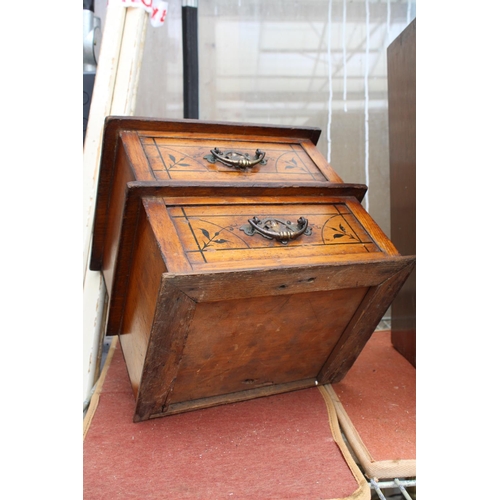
{"points": [[237, 345], [245, 334]]}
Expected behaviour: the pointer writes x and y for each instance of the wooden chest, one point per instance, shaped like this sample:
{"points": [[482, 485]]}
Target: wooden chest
{"points": [[238, 263]]}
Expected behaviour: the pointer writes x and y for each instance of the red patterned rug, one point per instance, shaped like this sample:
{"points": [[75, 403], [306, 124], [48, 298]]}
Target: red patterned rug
{"points": [[277, 447]]}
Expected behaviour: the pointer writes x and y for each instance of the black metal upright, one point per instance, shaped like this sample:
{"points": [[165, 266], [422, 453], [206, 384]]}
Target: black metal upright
{"points": [[91, 44], [190, 58]]}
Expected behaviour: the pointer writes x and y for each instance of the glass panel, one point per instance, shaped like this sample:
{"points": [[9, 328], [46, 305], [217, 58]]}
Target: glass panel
{"points": [[160, 91], [318, 63]]}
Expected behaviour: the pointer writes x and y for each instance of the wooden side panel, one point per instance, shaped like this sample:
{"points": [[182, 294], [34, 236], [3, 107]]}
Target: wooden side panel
{"points": [[115, 171], [114, 215], [363, 324], [120, 166], [123, 264], [168, 337], [164, 231], [401, 81], [146, 271], [137, 158], [372, 227], [321, 162]]}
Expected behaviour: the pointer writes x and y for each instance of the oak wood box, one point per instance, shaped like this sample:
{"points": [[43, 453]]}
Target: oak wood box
{"points": [[229, 282]]}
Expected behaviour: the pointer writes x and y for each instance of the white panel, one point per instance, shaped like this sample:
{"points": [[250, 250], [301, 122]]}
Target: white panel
{"points": [[114, 93]]}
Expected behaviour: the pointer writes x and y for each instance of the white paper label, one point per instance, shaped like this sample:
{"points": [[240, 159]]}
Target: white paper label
{"points": [[157, 9]]}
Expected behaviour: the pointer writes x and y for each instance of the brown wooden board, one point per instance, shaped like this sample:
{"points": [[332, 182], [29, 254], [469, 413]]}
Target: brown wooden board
{"points": [[401, 87]]}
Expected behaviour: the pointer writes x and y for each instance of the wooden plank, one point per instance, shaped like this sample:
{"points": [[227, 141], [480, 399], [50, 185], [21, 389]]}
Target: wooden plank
{"points": [[94, 401], [233, 285], [259, 342], [325, 257], [364, 492], [100, 107], [114, 92], [217, 129], [128, 72], [240, 200], [236, 397], [222, 189]]}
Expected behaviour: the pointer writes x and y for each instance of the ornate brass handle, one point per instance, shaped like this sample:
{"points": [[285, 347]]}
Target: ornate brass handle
{"points": [[234, 159], [280, 230]]}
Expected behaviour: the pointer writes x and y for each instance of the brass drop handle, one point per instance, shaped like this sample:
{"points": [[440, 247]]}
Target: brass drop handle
{"points": [[280, 230], [234, 159]]}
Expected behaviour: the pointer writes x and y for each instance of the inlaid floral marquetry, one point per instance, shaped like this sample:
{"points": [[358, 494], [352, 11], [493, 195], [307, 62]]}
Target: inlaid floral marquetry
{"points": [[174, 159], [218, 234]]}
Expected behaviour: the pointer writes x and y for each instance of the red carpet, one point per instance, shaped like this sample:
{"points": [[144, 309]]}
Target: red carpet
{"points": [[278, 447]]}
